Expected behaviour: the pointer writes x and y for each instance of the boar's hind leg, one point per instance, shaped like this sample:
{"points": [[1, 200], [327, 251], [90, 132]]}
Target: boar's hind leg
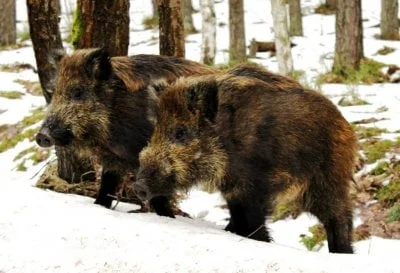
{"points": [[334, 210], [109, 183], [247, 221], [162, 206], [339, 235]]}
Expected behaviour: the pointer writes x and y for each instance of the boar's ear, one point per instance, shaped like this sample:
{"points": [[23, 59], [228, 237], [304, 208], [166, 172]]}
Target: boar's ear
{"points": [[203, 98], [55, 56], [98, 65]]}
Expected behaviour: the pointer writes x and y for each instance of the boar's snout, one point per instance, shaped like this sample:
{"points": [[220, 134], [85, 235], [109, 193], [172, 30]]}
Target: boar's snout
{"points": [[43, 138], [142, 190]]}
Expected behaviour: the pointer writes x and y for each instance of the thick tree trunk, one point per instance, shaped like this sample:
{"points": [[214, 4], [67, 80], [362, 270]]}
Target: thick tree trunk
{"points": [[332, 3], [47, 44], [172, 36], [209, 31], [296, 22], [389, 21], [237, 37], [187, 17], [46, 40], [102, 23], [282, 38], [8, 30], [349, 34]]}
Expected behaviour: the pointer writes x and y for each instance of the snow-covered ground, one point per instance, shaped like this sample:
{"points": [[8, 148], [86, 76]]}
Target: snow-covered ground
{"points": [[44, 231]]}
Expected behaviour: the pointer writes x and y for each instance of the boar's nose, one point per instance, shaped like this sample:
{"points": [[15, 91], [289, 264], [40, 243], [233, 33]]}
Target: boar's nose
{"points": [[141, 190], [44, 139]]}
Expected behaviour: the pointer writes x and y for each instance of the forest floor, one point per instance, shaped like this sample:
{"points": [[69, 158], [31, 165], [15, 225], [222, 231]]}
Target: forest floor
{"points": [[45, 231]]}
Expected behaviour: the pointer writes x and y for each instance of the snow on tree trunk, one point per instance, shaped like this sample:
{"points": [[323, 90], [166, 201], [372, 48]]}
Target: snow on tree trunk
{"points": [[187, 17], [102, 23], [389, 21], [8, 30], [172, 36], [349, 44], [209, 31], [296, 22], [282, 39], [237, 37]]}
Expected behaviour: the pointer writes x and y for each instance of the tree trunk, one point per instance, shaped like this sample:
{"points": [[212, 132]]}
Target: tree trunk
{"points": [[237, 37], [8, 29], [155, 8], [187, 17], [389, 21], [46, 40], [296, 22], [209, 31], [282, 38], [332, 3], [172, 38], [102, 23], [349, 34], [47, 44]]}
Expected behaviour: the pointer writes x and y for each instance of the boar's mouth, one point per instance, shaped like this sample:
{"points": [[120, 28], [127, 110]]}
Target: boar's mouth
{"points": [[50, 135], [148, 189]]}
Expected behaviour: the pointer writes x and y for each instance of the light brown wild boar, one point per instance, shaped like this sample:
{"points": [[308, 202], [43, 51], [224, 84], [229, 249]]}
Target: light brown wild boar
{"points": [[260, 144]]}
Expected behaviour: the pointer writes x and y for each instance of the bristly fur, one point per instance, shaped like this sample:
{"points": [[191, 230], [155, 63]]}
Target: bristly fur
{"points": [[106, 107], [262, 142]]}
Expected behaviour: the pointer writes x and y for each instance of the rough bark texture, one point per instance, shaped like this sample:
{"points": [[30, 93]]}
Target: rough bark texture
{"points": [[282, 38], [237, 37], [296, 22], [46, 40], [389, 21], [209, 31], [172, 36], [187, 17], [102, 23], [349, 44], [8, 30], [332, 3]]}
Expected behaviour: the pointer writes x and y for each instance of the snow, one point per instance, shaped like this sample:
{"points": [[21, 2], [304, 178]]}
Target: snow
{"points": [[44, 231]]}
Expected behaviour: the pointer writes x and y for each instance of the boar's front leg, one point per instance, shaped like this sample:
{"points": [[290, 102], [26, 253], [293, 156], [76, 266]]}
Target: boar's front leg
{"points": [[162, 206], [109, 183]]}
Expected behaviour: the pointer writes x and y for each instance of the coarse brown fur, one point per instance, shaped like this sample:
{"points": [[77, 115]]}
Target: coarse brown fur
{"points": [[260, 143], [105, 107]]}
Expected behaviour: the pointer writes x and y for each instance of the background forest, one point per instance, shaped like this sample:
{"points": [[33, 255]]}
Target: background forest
{"points": [[349, 50]]}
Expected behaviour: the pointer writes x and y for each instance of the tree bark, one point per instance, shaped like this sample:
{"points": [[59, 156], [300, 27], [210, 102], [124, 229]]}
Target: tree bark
{"points": [[155, 8], [8, 29], [187, 17], [389, 21], [349, 48], [46, 40], [47, 45], [282, 38], [102, 23], [237, 37], [332, 3], [209, 31], [172, 36], [296, 20]]}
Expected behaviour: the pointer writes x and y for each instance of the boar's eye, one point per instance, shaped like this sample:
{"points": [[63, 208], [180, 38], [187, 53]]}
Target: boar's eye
{"points": [[180, 134], [76, 93]]}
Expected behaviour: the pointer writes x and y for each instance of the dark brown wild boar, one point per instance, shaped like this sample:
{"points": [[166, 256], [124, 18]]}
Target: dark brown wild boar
{"points": [[105, 107], [260, 144]]}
